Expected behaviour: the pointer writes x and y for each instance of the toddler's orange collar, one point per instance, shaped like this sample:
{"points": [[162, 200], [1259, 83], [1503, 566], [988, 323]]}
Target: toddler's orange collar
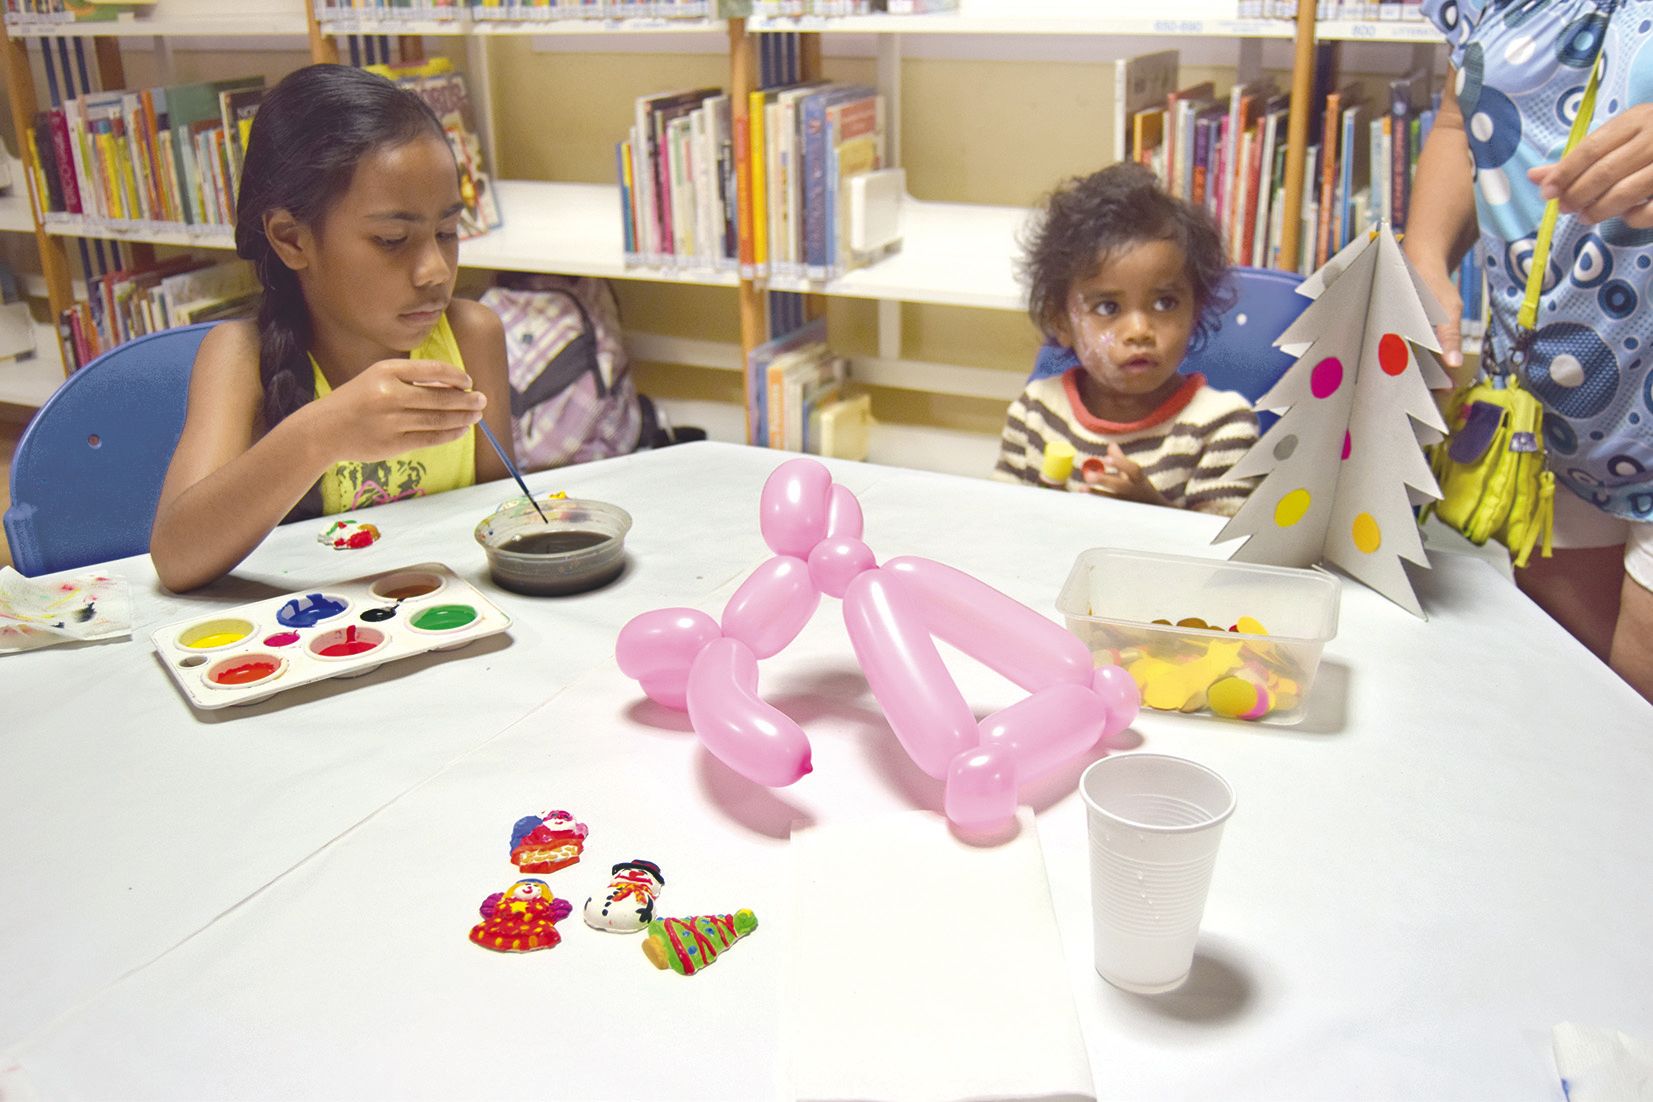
{"points": [[1167, 409]]}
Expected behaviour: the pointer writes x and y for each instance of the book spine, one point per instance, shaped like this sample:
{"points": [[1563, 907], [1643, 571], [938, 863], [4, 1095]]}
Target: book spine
{"points": [[64, 156], [1400, 155], [731, 176], [814, 190], [1328, 186], [741, 124], [776, 412], [628, 230], [758, 187]]}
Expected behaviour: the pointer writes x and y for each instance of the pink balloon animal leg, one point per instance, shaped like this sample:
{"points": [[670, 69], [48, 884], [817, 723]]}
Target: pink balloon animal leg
{"points": [[684, 659], [998, 631], [657, 648], [755, 739], [1031, 737], [892, 642]]}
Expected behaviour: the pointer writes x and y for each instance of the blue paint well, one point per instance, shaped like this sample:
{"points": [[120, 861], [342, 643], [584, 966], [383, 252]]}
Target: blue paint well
{"points": [[309, 610]]}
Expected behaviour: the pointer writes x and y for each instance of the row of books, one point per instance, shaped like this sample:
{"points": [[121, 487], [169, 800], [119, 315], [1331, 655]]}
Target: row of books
{"points": [[834, 9], [367, 12], [168, 159], [765, 190], [1227, 153], [131, 302], [70, 11], [443, 90], [793, 384], [152, 159], [1367, 11]]}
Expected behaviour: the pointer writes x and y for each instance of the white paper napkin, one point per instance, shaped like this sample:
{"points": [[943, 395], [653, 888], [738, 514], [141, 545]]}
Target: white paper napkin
{"points": [[1602, 1065], [924, 968], [40, 612]]}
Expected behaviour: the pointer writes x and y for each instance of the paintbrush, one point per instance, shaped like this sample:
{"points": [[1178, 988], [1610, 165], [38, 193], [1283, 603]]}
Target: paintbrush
{"points": [[505, 458]]}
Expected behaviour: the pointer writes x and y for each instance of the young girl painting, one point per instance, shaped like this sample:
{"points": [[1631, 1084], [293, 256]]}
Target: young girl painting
{"points": [[362, 379]]}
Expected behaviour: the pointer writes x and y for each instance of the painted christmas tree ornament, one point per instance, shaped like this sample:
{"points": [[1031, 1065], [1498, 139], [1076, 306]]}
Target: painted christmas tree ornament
{"points": [[686, 945]]}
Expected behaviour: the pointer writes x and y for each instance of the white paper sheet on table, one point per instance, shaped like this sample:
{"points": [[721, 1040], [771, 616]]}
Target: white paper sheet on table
{"points": [[1603, 1065], [78, 609], [942, 976]]}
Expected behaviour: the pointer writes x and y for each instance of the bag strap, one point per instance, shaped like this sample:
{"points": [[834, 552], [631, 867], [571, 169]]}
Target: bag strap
{"points": [[1527, 318]]}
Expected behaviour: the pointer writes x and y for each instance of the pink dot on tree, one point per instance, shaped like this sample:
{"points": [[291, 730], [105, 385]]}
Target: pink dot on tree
{"points": [[1392, 354], [1326, 377], [1347, 444]]}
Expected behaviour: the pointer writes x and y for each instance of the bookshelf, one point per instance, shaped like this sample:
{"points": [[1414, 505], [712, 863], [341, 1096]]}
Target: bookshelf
{"points": [[953, 255], [964, 23], [204, 24]]}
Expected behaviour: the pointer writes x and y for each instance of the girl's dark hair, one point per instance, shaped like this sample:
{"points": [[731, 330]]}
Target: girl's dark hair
{"points": [[307, 138], [1089, 219]]}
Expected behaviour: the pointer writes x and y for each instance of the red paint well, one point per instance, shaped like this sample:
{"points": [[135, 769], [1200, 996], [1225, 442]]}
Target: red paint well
{"points": [[350, 645], [255, 670]]}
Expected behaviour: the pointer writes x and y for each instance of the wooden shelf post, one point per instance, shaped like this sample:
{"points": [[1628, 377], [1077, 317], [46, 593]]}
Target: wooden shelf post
{"points": [[1297, 140], [54, 254]]}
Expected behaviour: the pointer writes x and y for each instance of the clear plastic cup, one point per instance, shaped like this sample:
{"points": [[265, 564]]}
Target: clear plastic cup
{"points": [[1154, 823]]}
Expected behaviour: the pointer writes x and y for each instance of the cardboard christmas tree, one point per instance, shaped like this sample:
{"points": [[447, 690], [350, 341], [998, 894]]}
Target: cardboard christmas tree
{"points": [[1344, 465]]}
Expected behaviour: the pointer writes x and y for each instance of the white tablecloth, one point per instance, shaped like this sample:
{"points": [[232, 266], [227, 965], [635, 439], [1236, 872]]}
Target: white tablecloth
{"points": [[1447, 858]]}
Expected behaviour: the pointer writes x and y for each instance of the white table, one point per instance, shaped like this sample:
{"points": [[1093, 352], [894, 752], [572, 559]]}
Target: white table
{"points": [[1447, 858]]}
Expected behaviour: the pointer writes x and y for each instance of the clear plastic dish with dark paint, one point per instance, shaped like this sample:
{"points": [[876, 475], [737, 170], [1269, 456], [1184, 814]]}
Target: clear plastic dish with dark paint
{"points": [[580, 545]]}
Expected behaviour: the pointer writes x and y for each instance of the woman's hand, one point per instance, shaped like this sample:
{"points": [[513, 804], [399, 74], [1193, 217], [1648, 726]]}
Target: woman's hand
{"points": [[1449, 332], [1609, 174], [396, 406], [1122, 478]]}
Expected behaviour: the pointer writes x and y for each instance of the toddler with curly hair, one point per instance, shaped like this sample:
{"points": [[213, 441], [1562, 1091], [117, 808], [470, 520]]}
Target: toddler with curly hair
{"points": [[1123, 278]]}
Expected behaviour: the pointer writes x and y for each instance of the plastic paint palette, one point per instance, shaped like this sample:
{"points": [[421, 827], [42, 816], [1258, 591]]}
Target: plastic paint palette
{"points": [[345, 629]]}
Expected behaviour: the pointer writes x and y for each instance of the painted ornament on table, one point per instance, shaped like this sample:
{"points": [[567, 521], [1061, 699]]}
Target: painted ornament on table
{"points": [[547, 842], [628, 905], [348, 535], [686, 945], [521, 918]]}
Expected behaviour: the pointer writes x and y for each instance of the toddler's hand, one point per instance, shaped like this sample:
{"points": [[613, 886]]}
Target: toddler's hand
{"points": [[396, 406], [1123, 479]]}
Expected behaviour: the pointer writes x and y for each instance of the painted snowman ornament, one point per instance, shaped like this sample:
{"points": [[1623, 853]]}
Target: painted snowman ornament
{"points": [[628, 905]]}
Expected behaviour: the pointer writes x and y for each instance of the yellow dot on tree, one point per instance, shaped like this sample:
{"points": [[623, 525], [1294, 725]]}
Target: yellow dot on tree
{"points": [[1291, 508], [1367, 535]]}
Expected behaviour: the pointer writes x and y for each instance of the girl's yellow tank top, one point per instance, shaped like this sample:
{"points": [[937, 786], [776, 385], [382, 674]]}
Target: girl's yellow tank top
{"points": [[348, 486]]}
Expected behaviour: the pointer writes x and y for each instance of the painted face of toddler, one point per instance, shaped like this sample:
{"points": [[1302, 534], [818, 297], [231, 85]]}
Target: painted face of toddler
{"points": [[1129, 322]]}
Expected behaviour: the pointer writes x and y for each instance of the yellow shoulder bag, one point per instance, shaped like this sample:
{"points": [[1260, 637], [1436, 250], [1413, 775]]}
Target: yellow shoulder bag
{"points": [[1494, 483]]}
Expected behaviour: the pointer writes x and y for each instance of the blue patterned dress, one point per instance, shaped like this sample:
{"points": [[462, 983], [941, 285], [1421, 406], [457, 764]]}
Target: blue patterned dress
{"points": [[1521, 67]]}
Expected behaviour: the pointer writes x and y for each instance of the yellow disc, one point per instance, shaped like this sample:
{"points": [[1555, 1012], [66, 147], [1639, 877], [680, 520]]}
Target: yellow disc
{"points": [[1291, 508], [1232, 696], [1247, 626], [1367, 535]]}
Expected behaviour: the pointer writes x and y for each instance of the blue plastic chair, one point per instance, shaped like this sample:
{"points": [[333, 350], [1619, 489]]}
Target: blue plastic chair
{"points": [[1240, 355], [87, 475]]}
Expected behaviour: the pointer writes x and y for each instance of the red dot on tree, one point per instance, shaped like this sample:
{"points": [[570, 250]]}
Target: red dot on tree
{"points": [[1392, 354]]}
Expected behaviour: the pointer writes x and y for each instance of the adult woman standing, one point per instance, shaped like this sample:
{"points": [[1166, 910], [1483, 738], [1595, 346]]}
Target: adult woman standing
{"points": [[1493, 160]]}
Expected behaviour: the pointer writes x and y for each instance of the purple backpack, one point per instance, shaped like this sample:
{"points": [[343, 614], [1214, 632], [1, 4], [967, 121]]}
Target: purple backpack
{"points": [[572, 396]]}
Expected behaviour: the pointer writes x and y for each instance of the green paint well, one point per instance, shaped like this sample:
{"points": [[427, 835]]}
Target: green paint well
{"points": [[444, 617]]}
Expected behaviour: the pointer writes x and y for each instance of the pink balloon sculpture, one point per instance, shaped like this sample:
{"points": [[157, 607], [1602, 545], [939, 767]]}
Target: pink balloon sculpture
{"points": [[686, 660]]}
